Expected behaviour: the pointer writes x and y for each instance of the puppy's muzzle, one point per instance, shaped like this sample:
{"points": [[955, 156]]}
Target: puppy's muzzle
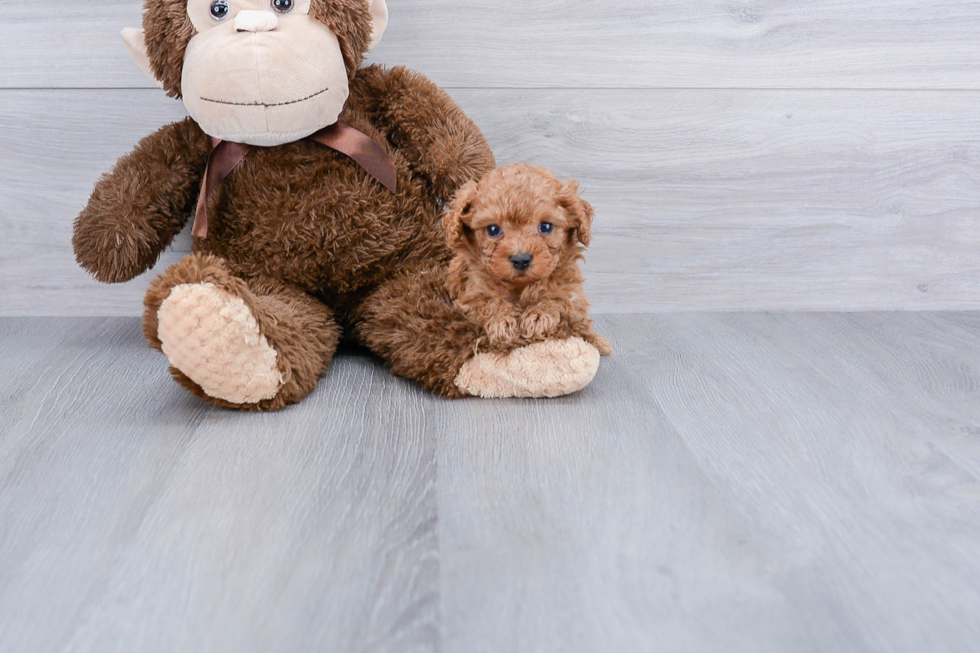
{"points": [[521, 262]]}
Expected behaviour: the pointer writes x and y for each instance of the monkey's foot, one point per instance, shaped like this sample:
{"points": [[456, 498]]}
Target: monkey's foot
{"points": [[545, 369], [212, 338]]}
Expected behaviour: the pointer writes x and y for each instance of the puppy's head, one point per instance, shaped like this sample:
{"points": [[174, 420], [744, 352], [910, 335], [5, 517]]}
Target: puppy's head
{"points": [[520, 223]]}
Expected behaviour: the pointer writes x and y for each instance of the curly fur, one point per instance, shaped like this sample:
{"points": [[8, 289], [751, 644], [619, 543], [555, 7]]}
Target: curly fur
{"points": [[515, 306]]}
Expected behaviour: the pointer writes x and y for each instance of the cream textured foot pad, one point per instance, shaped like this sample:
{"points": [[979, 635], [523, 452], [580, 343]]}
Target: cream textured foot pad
{"points": [[213, 338], [545, 369]]}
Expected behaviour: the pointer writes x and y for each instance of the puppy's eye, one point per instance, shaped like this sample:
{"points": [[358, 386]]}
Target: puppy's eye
{"points": [[546, 228], [282, 6], [493, 231], [219, 9]]}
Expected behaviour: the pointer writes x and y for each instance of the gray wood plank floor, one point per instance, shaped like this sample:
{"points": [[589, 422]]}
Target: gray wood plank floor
{"points": [[742, 482]]}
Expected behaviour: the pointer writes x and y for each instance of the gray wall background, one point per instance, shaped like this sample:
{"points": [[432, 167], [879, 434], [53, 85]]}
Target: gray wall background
{"points": [[758, 155]]}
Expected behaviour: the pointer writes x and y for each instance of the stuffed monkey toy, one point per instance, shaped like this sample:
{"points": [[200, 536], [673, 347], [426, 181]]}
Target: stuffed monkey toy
{"points": [[317, 188]]}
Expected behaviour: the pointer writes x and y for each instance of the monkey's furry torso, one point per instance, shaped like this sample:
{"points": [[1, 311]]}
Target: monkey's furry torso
{"points": [[311, 217]]}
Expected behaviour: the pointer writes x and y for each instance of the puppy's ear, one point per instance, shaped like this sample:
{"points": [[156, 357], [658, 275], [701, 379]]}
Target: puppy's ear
{"points": [[580, 212], [454, 222]]}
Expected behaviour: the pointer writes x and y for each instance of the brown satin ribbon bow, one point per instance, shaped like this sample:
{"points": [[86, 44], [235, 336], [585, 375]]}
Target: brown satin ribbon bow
{"points": [[225, 157]]}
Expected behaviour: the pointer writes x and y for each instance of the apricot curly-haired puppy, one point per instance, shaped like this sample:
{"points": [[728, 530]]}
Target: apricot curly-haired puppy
{"points": [[518, 235]]}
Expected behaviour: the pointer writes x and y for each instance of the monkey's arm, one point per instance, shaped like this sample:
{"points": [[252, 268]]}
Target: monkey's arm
{"points": [[136, 210], [426, 125]]}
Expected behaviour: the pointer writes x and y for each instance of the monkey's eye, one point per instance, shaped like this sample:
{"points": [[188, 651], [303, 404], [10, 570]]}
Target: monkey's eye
{"points": [[546, 228], [219, 9], [493, 231], [282, 6]]}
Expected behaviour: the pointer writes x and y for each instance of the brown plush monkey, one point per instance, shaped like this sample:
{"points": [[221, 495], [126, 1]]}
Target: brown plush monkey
{"points": [[308, 230]]}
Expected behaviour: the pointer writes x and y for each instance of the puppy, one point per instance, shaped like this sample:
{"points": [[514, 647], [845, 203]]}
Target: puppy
{"points": [[518, 236]]}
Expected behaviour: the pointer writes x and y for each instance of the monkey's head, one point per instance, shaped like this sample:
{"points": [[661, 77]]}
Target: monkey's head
{"points": [[260, 72]]}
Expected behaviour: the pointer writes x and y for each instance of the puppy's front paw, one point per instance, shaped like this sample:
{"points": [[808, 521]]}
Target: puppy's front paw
{"points": [[501, 329], [539, 323]]}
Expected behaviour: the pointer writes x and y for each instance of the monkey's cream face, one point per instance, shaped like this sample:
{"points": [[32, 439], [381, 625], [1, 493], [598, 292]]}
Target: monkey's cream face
{"points": [[262, 72]]}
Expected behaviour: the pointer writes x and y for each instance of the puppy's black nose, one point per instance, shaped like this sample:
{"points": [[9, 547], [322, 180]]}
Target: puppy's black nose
{"points": [[521, 261]]}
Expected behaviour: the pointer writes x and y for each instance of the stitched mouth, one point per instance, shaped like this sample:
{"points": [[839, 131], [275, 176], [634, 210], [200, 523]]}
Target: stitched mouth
{"points": [[262, 104]]}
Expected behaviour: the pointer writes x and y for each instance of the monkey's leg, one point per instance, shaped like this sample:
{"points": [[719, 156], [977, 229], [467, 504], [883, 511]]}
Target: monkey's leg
{"points": [[255, 345], [410, 321]]}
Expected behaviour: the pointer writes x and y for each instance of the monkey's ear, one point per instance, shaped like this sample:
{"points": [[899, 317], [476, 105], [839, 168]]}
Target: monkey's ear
{"points": [[379, 21], [453, 221], [579, 211], [133, 38]]}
